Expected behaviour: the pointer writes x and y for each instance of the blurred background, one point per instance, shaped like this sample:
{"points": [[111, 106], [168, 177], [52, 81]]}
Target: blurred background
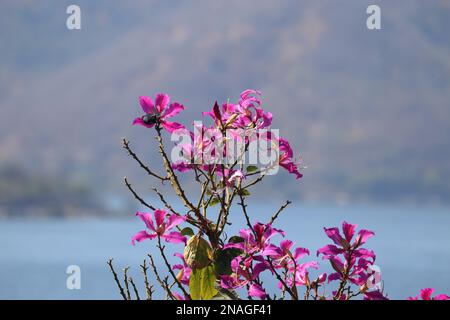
{"points": [[368, 110]]}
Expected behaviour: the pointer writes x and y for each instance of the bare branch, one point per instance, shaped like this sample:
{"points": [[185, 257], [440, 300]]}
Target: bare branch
{"points": [[169, 267], [126, 146], [148, 287], [125, 280], [142, 201], [162, 283], [136, 292], [275, 216], [116, 279]]}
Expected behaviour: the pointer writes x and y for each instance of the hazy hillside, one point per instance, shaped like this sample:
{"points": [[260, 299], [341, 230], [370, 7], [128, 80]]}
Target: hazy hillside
{"points": [[368, 110]]}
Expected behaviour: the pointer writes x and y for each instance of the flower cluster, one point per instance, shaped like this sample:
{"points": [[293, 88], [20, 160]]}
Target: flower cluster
{"points": [[214, 265]]}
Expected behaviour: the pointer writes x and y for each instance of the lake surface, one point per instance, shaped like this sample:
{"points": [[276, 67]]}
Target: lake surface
{"points": [[412, 246]]}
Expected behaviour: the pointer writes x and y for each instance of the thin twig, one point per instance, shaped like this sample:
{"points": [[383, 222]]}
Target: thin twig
{"points": [[169, 267], [136, 292], [148, 287], [126, 146], [142, 201], [275, 216], [116, 279], [158, 278], [125, 280]]}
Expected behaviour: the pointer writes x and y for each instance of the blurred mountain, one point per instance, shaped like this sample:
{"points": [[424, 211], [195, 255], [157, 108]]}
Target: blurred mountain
{"points": [[367, 110]]}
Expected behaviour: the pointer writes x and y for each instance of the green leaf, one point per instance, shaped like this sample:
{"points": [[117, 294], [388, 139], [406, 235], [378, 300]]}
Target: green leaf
{"points": [[245, 192], [202, 283], [188, 232], [214, 201], [222, 261], [197, 253], [252, 169], [236, 239]]}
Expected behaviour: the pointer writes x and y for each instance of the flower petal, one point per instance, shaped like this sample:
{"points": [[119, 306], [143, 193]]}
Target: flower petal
{"points": [[159, 217], [171, 126], [335, 235], [362, 237], [161, 101], [174, 220], [148, 219], [257, 291], [426, 293], [174, 237], [300, 253], [174, 109], [329, 250], [141, 236], [146, 104], [140, 122], [349, 230]]}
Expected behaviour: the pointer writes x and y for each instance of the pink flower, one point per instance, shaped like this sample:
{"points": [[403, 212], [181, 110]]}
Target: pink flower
{"points": [[286, 158], [185, 271], [246, 114], [282, 255], [160, 227], [347, 257], [256, 290], [426, 294], [158, 112], [245, 272], [251, 244], [374, 295]]}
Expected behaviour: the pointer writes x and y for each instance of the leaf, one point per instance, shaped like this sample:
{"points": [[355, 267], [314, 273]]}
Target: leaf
{"points": [[225, 294], [252, 169], [188, 232], [197, 252], [236, 239], [245, 192], [202, 283], [222, 261], [214, 201]]}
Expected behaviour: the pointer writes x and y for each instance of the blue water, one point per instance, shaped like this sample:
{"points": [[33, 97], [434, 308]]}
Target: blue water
{"points": [[412, 246]]}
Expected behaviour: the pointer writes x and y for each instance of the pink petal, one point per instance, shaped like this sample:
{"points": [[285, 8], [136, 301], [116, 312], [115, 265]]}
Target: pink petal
{"points": [[349, 230], [140, 122], [364, 253], [334, 276], [300, 253], [286, 245], [161, 101], [148, 219], [159, 217], [258, 268], [374, 295], [181, 166], [174, 220], [426, 293], [256, 290], [441, 297], [329, 250], [141, 236], [272, 251], [227, 282], [174, 237], [171, 126], [174, 109], [147, 104], [335, 235], [362, 237]]}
